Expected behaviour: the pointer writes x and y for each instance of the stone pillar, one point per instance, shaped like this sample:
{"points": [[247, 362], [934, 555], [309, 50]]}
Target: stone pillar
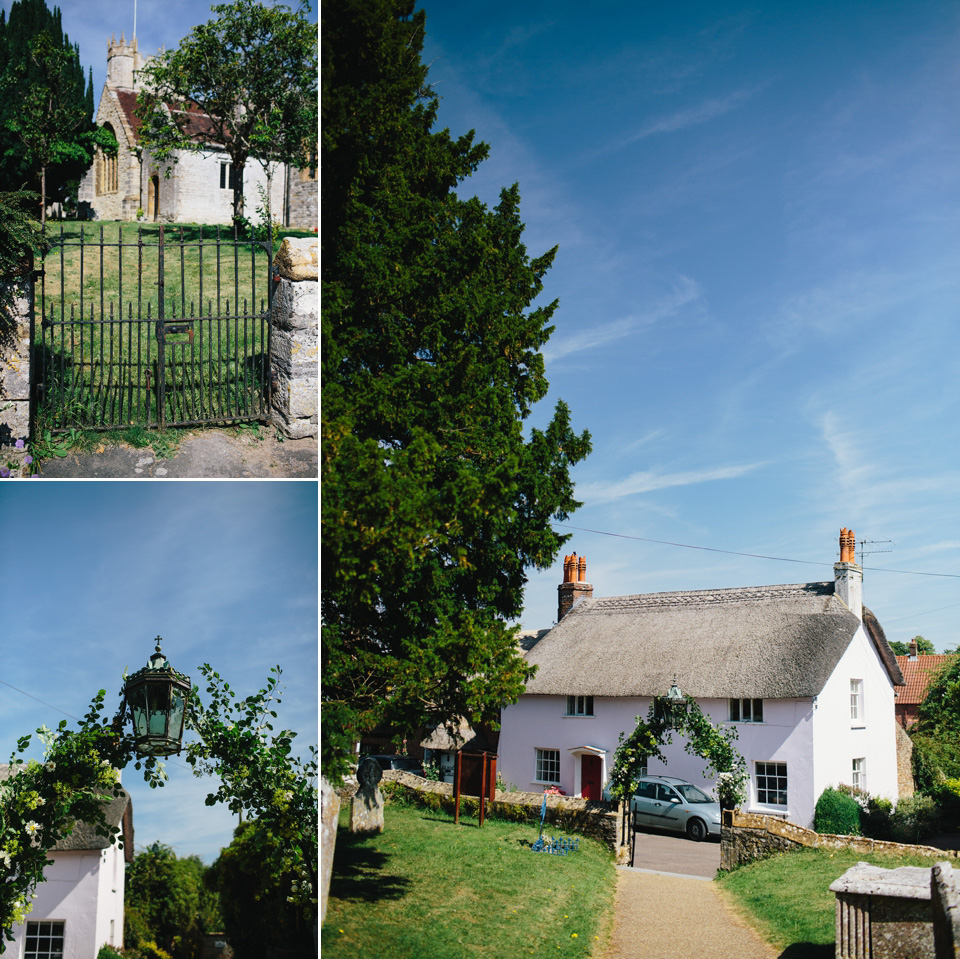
{"points": [[15, 374], [329, 813], [294, 330]]}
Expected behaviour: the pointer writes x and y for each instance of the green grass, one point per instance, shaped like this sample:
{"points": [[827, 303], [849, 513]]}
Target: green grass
{"points": [[789, 900], [427, 888]]}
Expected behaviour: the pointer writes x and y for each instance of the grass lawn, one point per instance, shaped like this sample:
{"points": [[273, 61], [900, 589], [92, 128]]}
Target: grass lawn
{"points": [[429, 889], [788, 897]]}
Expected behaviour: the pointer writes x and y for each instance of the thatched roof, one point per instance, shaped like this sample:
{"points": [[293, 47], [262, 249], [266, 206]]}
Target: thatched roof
{"points": [[464, 736], [119, 812], [770, 642]]}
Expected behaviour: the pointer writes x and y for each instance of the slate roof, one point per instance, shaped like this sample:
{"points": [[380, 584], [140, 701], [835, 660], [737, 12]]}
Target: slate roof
{"points": [[917, 675], [770, 642], [119, 812]]}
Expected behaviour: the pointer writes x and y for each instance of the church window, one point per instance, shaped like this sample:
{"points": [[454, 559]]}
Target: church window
{"points": [[106, 170], [228, 178]]}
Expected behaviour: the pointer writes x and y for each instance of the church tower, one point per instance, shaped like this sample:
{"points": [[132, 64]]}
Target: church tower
{"points": [[123, 62]]}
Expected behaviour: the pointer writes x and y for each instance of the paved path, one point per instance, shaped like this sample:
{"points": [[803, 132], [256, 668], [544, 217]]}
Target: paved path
{"points": [[660, 916]]}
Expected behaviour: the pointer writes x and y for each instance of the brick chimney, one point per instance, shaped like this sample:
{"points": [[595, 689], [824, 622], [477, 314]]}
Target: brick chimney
{"points": [[848, 576], [574, 585]]}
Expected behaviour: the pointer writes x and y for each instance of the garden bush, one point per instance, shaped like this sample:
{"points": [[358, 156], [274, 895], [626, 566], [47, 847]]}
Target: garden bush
{"points": [[947, 796], [915, 819], [875, 818], [837, 812]]}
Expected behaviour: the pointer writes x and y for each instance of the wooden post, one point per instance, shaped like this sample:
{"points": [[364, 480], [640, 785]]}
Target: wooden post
{"points": [[483, 787], [457, 769]]}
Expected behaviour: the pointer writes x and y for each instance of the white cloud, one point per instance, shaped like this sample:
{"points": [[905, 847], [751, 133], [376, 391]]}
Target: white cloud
{"points": [[646, 481]]}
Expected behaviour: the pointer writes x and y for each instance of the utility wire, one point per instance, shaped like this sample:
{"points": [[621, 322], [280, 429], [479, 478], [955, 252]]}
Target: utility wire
{"points": [[733, 552]]}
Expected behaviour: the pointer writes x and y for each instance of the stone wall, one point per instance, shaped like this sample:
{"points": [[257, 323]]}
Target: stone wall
{"points": [[747, 837], [904, 763], [598, 820], [295, 347], [15, 377]]}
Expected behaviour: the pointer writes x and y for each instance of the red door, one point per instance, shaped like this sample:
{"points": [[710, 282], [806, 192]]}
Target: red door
{"points": [[590, 784]]}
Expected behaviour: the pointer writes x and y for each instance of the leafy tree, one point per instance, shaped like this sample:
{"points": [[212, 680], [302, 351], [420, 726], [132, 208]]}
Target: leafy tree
{"points": [[924, 647], [167, 903], [21, 240], [244, 83], [437, 495], [45, 105], [253, 890]]}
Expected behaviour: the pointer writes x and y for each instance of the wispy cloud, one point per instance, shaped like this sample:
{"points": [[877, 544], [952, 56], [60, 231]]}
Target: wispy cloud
{"points": [[591, 337], [647, 481]]}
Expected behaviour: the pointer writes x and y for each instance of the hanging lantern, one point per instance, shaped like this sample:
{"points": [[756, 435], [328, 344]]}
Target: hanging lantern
{"points": [[675, 705], [156, 697]]}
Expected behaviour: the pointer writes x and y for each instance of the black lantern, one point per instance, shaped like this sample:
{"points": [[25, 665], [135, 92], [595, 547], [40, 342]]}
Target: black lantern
{"points": [[675, 705], [156, 697]]}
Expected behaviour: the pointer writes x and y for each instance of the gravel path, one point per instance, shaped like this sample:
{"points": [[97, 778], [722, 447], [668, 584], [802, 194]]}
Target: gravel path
{"points": [[663, 917]]}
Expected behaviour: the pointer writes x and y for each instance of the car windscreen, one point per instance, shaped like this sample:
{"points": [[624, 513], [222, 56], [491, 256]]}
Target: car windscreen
{"points": [[692, 794]]}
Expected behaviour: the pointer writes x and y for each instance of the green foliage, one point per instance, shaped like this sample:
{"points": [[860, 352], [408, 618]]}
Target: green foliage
{"points": [[255, 896], [924, 647], [41, 802], [876, 819], [253, 71], [947, 797], [837, 813], [21, 242], [46, 109], [437, 498], [108, 952], [939, 713], [167, 903], [915, 819], [260, 777]]}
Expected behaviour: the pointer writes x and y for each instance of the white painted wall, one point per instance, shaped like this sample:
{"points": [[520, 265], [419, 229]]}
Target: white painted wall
{"points": [[85, 891], [838, 739]]}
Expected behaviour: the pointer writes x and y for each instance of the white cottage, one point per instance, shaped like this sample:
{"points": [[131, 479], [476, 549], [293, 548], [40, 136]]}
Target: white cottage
{"points": [[199, 188], [803, 672], [79, 905]]}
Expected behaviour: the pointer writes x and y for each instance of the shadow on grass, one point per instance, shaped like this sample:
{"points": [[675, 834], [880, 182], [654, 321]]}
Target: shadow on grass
{"points": [[808, 950], [359, 872]]}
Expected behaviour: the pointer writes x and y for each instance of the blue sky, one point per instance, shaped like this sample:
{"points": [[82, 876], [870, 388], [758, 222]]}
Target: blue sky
{"points": [[157, 23], [225, 572], [758, 215]]}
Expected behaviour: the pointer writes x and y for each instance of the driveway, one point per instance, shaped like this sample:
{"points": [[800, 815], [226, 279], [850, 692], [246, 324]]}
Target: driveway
{"points": [[676, 855]]}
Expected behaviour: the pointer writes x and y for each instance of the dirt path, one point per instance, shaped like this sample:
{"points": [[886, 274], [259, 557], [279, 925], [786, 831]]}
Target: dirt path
{"points": [[663, 917]]}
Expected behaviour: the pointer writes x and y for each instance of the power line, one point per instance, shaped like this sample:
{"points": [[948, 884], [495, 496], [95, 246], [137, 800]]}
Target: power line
{"points": [[733, 552]]}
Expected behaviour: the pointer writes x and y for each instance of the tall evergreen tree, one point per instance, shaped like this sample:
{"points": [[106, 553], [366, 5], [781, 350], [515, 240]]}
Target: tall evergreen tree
{"points": [[437, 496], [46, 107]]}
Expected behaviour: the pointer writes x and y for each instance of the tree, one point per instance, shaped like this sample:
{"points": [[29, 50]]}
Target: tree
{"points": [[924, 647], [166, 902], [253, 890], [45, 104], [437, 494], [244, 83]]}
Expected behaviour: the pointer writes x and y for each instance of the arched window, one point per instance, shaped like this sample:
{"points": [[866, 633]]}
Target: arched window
{"points": [[106, 168]]}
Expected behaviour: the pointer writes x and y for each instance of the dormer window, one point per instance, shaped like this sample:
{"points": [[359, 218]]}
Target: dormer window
{"points": [[579, 706]]}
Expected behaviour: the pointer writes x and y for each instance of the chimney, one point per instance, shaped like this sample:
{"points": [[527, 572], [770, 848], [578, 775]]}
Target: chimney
{"points": [[914, 648], [848, 576], [574, 585]]}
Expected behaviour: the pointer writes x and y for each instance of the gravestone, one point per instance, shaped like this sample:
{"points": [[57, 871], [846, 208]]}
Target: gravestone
{"points": [[366, 807]]}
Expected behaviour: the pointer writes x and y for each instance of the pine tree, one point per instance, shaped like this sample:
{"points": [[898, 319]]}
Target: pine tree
{"points": [[436, 494]]}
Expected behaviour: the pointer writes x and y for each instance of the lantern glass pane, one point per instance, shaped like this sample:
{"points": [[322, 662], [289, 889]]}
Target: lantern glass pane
{"points": [[137, 698], [158, 709], [176, 713]]}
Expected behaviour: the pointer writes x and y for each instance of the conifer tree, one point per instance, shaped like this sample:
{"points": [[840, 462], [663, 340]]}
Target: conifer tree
{"points": [[437, 495]]}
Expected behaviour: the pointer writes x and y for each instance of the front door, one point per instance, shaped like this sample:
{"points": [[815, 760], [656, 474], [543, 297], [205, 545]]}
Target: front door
{"points": [[590, 784]]}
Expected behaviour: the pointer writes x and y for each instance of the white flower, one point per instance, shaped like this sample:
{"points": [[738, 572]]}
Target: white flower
{"points": [[32, 828], [50, 766], [5, 858]]}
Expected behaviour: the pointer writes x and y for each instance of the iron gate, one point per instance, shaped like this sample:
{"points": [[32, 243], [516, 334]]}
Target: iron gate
{"points": [[166, 330]]}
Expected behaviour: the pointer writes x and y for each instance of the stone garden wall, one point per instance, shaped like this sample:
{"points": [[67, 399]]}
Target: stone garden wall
{"points": [[15, 376], [599, 820], [747, 837]]}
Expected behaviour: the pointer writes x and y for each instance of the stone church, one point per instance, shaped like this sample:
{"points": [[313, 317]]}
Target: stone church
{"points": [[199, 188]]}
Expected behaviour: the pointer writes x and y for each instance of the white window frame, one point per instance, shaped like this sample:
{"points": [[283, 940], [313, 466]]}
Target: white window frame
{"points": [[857, 711], [746, 710], [858, 773], [543, 764], [44, 929], [579, 706], [772, 783]]}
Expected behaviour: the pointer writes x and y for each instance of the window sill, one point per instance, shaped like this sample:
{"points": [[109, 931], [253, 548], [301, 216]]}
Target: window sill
{"points": [[578, 716]]}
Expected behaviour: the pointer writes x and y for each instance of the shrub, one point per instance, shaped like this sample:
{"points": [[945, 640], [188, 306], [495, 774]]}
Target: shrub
{"points": [[837, 812], [875, 818], [915, 819], [947, 797], [923, 766], [108, 952]]}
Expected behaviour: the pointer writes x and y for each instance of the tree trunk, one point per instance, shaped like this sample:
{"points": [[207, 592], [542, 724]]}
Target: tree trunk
{"points": [[43, 194], [237, 193], [269, 170]]}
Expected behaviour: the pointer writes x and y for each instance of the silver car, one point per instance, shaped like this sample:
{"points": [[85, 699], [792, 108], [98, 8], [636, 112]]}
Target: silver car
{"points": [[664, 802]]}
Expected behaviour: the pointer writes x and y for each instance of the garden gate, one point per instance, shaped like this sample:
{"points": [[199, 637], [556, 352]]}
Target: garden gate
{"points": [[171, 328]]}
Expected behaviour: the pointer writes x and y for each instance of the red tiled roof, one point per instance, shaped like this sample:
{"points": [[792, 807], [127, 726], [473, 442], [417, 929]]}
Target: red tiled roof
{"points": [[128, 103], [918, 674]]}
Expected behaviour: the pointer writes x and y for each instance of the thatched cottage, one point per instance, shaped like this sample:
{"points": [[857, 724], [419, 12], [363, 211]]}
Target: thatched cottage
{"points": [[199, 188], [79, 904], [804, 673]]}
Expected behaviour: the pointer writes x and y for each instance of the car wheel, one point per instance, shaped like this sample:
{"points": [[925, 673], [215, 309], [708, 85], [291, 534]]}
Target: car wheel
{"points": [[696, 829]]}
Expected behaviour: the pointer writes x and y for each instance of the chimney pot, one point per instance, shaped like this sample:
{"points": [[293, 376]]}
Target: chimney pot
{"points": [[848, 545], [574, 585]]}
